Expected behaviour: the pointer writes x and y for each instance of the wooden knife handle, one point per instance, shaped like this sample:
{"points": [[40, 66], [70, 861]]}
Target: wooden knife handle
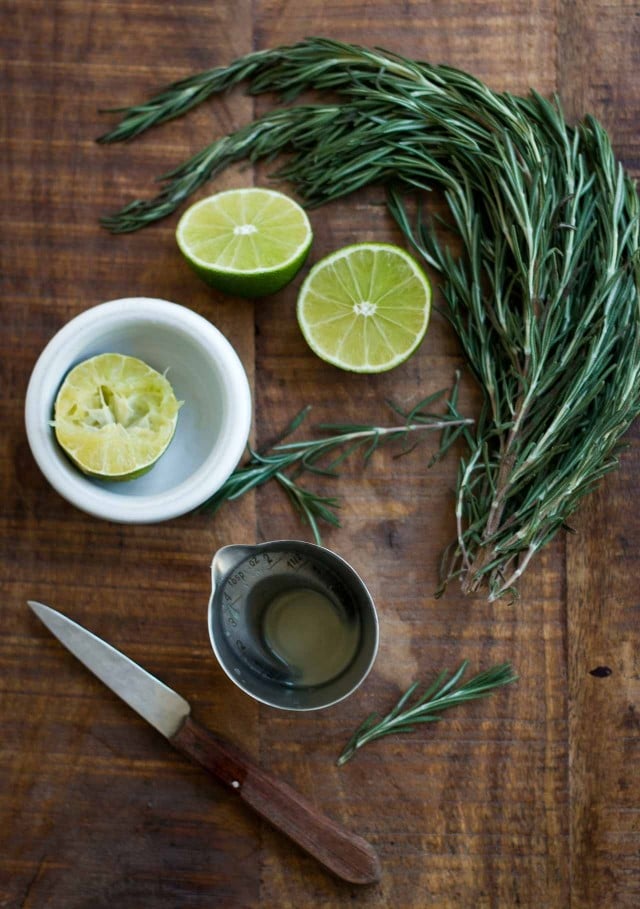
{"points": [[348, 856]]}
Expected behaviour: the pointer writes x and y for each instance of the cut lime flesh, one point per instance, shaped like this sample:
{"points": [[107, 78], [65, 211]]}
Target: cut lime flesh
{"points": [[114, 416], [365, 308], [248, 242]]}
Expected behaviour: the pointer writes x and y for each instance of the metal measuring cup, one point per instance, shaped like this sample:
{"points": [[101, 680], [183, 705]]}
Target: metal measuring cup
{"points": [[278, 607]]}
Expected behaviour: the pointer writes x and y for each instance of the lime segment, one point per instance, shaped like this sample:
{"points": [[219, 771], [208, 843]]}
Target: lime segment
{"points": [[114, 416], [248, 242], [365, 308]]}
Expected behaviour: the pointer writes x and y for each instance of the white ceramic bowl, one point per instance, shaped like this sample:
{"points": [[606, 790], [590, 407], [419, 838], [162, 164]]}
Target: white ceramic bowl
{"points": [[213, 423]]}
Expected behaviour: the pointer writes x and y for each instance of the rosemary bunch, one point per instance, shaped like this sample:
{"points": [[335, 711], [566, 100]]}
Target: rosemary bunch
{"points": [[285, 462], [542, 289], [439, 696]]}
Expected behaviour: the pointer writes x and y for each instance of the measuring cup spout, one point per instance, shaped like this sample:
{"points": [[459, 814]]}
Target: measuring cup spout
{"points": [[225, 559]]}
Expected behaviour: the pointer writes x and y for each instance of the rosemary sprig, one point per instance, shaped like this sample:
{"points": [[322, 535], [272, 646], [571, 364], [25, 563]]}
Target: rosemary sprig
{"points": [[179, 97], [285, 462], [439, 696], [542, 289]]}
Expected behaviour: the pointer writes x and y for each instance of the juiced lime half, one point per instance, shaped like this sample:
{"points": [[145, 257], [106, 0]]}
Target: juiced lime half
{"points": [[247, 242], [365, 308], [114, 416]]}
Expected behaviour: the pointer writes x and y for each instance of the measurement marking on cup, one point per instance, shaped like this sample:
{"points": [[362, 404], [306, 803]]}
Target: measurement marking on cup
{"points": [[271, 561], [296, 561], [232, 611]]}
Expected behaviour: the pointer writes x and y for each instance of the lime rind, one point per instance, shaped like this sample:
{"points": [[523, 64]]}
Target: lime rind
{"points": [[365, 308], [114, 416]]}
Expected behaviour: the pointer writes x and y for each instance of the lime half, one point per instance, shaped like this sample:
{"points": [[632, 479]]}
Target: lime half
{"points": [[247, 242], [114, 416], [365, 308]]}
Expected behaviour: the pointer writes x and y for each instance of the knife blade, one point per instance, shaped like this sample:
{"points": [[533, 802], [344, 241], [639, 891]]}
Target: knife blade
{"points": [[345, 854]]}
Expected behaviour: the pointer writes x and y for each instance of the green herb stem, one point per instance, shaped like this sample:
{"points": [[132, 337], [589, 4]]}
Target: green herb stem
{"points": [[439, 696], [285, 462]]}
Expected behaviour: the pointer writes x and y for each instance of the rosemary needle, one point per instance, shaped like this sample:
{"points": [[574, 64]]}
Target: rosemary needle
{"points": [[439, 696]]}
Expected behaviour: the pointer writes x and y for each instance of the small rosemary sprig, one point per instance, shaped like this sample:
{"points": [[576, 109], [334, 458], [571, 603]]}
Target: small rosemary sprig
{"points": [[285, 462], [439, 696]]}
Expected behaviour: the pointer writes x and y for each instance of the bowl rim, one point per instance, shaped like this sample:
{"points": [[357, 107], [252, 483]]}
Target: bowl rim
{"points": [[67, 480]]}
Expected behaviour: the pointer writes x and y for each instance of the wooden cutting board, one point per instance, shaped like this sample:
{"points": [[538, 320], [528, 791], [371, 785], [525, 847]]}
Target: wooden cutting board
{"points": [[529, 798]]}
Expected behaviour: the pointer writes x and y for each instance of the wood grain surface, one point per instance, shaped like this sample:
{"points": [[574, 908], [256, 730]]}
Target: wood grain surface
{"points": [[526, 799]]}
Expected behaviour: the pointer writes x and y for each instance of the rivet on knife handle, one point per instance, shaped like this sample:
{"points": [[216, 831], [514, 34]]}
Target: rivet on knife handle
{"points": [[345, 854]]}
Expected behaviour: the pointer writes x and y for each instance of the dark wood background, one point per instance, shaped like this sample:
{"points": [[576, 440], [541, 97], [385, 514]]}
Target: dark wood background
{"points": [[526, 799]]}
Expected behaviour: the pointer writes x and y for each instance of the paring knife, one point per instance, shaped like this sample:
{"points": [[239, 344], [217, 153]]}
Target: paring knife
{"points": [[346, 855]]}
